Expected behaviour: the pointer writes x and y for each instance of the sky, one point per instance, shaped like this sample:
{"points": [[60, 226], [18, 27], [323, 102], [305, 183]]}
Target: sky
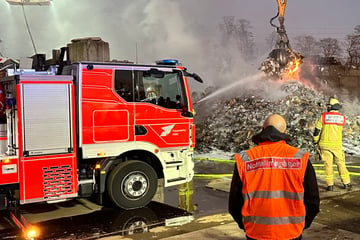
{"points": [[154, 29]]}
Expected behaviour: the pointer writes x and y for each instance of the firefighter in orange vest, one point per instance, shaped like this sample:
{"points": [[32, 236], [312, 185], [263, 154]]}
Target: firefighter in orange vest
{"points": [[328, 135], [274, 192]]}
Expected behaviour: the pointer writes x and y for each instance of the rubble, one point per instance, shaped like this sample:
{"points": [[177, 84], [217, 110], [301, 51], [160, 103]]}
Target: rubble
{"points": [[229, 124]]}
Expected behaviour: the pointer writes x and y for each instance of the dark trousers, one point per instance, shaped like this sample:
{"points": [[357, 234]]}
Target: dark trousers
{"points": [[298, 238]]}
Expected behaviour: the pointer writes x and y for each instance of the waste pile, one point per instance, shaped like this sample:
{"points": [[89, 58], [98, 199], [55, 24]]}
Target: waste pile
{"points": [[229, 124]]}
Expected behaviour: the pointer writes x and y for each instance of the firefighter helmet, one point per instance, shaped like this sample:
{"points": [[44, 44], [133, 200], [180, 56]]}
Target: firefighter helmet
{"points": [[334, 104], [333, 101]]}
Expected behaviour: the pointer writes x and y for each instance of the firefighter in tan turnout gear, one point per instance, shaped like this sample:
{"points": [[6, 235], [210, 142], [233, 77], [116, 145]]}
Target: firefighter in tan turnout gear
{"points": [[328, 136]]}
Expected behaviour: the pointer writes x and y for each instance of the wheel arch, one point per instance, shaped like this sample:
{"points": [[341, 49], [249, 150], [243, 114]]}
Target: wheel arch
{"points": [[141, 155]]}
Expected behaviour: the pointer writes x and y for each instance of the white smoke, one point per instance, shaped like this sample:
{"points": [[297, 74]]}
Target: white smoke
{"points": [[182, 29], [142, 30]]}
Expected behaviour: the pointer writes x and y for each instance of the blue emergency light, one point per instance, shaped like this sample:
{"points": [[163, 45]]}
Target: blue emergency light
{"points": [[173, 62]]}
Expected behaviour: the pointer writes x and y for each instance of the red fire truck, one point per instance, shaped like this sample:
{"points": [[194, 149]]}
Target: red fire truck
{"points": [[95, 129]]}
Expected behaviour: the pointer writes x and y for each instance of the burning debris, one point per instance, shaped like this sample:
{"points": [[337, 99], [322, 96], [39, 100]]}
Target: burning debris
{"points": [[274, 69], [234, 121]]}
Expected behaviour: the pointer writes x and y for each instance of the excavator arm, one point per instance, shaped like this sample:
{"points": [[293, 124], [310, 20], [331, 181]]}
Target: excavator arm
{"points": [[280, 14], [282, 58], [281, 5]]}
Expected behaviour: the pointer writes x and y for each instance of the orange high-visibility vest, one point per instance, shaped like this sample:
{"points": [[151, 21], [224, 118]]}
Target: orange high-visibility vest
{"points": [[272, 174]]}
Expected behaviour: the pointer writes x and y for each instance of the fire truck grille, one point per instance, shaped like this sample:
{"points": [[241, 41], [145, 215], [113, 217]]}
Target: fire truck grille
{"points": [[57, 181]]}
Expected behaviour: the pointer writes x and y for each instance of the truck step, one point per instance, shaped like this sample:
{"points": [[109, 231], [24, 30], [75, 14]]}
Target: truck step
{"points": [[174, 163], [176, 179]]}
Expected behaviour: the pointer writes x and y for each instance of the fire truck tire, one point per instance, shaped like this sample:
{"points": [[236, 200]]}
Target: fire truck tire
{"points": [[132, 184]]}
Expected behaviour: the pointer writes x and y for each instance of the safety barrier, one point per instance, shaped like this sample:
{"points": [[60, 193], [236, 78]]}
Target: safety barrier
{"points": [[229, 161]]}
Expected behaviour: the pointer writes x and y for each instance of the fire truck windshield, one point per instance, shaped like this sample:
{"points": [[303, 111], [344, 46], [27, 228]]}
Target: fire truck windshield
{"points": [[165, 89]]}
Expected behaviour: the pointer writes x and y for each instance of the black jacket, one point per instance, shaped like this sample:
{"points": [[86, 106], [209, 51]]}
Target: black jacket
{"points": [[311, 191]]}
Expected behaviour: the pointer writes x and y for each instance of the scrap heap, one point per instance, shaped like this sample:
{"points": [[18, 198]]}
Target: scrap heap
{"points": [[231, 123]]}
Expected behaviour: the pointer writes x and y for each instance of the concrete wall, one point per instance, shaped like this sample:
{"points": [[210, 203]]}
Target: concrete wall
{"points": [[351, 82], [341, 77]]}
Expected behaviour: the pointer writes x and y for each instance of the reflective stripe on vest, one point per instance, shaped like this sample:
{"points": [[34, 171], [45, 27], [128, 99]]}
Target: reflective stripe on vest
{"points": [[273, 220], [274, 194]]}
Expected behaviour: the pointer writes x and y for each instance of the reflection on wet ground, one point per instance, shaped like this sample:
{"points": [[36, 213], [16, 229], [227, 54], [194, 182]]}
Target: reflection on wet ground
{"points": [[104, 222]]}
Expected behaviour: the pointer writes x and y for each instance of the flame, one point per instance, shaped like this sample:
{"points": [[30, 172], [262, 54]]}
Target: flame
{"points": [[294, 66], [292, 70]]}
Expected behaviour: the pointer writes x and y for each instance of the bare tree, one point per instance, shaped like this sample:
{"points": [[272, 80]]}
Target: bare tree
{"points": [[227, 27], [357, 29], [244, 38], [306, 45], [239, 31], [330, 47], [270, 40], [352, 44]]}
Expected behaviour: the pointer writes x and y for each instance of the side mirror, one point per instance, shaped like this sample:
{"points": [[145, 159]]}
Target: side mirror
{"points": [[197, 77], [187, 114], [194, 76]]}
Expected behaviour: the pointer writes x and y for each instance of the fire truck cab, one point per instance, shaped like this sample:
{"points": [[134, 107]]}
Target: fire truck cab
{"points": [[95, 129]]}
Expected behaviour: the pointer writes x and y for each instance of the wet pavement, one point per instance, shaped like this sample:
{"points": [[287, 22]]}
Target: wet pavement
{"points": [[230, 231], [67, 220], [221, 227]]}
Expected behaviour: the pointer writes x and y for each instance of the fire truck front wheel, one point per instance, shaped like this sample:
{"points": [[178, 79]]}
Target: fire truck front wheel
{"points": [[132, 184]]}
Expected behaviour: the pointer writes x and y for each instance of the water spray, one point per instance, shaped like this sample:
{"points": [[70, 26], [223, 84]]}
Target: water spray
{"points": [[232, 86]]}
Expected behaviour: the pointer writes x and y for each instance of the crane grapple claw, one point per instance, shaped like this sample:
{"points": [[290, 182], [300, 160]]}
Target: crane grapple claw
{"points": [[282, 59]]}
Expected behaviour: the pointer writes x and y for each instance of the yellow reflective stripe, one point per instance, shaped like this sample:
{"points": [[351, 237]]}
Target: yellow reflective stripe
{"points": [[345, 175], [353, 167], [233, 161], [322, 165], [329, 177], [350, 173], [274, 194], [214, 160], [274, 220], [212, 175]]}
